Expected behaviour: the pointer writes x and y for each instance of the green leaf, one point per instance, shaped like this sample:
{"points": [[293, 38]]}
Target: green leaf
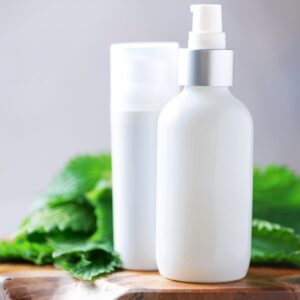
{"points": [[276, 196], [274, 244], [79, 176], [101, 199], [70, 216], [71, 243], [88, 265], [24, 250], [84, 259], [76, 205]]}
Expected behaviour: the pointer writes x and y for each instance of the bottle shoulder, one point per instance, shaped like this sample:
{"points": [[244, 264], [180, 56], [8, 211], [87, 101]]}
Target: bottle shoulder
{"points": [[198, 105], [243, 108]]}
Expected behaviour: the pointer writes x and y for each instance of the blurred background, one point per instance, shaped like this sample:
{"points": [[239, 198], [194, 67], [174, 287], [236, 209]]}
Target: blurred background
{"points": [[54, 80]]}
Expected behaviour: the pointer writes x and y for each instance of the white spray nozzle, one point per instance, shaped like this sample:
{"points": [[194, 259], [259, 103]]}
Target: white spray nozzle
{"points": [[207, 18], [207, 27]]}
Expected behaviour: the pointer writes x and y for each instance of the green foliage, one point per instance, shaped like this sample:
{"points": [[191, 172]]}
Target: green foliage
{"points": [[101, 198], [61, 217], [274, 244], [88, 265], [78, 177], [72, 224], [72, 228], [21, 249], [85, 259], [276, 196]]}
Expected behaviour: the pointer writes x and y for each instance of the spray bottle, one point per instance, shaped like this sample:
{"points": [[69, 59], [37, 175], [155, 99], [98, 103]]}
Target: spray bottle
{"points": [[204, 167]]}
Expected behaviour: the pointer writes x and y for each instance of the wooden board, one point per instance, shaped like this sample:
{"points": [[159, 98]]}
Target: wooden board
{"points": [[24, 282]]}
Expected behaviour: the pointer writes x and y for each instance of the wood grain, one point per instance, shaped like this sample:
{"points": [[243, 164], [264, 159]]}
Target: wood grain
{"points": [[24, 282]]}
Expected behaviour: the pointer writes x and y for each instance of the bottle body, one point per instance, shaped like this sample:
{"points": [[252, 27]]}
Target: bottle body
{"points": [[204, 186], [134, 134]]}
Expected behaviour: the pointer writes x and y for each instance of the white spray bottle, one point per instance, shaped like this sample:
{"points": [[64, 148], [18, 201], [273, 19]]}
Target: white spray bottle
{"points": [[204, 175]]}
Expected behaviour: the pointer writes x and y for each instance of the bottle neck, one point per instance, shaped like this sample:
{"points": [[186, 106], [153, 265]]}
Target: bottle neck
{"points": [[216, 89], [207, 90]]}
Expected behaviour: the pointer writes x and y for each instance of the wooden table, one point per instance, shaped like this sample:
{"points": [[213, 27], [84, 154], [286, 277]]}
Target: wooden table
{"points": [[24, 282]]}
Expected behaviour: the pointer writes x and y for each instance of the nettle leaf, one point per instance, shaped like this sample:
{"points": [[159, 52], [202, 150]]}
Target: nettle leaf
{"points": [[79, 176], [88, 265], [72, 216], [276, 196], [75, 206], [85, 259], [101, 198], [274, 178], [24, 250], [71, 243], [274, 244]]}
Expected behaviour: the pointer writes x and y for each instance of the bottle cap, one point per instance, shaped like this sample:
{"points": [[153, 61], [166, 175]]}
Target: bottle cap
{"points": [[206, 62], [143, 75], [207, 27]]}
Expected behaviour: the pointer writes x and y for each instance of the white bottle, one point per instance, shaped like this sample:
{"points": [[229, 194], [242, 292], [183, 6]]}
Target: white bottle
{"points": [[143, 79], [204, 181]]}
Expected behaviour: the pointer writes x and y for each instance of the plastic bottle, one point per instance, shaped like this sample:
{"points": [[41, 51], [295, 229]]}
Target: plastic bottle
{"points": [[143, 79], [204, 181]]}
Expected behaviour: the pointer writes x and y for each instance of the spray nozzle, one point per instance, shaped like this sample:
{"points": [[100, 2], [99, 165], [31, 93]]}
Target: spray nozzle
{"points": [[207, 27], [207, 18]]}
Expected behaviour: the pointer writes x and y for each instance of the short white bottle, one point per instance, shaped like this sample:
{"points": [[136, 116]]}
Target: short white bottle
{"points": [[204, 181], [143, 79]]}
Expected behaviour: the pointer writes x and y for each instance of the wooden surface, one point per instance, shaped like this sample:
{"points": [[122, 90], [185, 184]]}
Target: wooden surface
{"points": [[24, 282]]}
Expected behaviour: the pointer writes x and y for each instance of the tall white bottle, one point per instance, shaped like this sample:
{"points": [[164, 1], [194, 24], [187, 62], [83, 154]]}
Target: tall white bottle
{"points": [[143, 79], [204, 181]]}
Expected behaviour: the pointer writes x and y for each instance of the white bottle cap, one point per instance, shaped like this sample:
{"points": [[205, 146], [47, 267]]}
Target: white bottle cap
{"points": [[143, 75], [207, 27]]}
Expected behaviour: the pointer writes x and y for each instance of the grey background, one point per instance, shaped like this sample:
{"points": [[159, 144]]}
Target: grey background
{"points": [[54, 80]]}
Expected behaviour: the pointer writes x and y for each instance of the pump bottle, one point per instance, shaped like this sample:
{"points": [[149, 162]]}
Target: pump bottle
{"points": [[204, 164], [143, 79]]}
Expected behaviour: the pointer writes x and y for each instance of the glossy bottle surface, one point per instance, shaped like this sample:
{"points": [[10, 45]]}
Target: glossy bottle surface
{"points": [[204, 186]]}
